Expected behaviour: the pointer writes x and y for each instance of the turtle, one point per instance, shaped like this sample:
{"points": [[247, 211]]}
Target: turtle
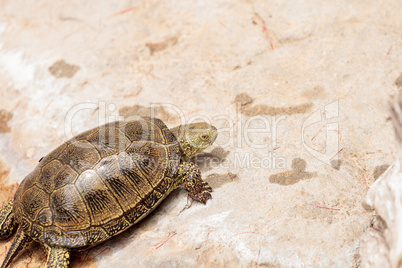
{"points": [[101, 182]]}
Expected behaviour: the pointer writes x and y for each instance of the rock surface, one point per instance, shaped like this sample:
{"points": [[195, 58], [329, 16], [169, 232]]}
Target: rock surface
{"points": [[382, 245], [297, 89]]}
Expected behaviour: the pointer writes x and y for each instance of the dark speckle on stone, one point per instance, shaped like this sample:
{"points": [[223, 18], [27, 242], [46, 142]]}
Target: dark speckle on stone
{"points": [[62, 69], [160, 112], [4, 118], [336, 164], [262, 109], [379, 170], [293, 176], [398, 82]]}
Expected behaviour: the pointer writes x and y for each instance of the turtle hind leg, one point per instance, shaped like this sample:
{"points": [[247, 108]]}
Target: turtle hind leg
{"points": [[57, 257], [20, 241], [190, 176], [7, 223]]}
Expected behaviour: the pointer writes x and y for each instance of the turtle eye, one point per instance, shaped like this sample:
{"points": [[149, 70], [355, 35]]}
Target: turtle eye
{"points": [[205, 137]]}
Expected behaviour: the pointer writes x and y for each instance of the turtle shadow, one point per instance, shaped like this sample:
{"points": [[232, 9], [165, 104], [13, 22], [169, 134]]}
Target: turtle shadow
{"points": [[86, 256], [208, 161]]}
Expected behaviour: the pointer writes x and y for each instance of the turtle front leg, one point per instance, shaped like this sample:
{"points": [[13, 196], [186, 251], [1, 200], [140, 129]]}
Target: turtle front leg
{"points": [[7, 223], [189, 176], [57, 257]]}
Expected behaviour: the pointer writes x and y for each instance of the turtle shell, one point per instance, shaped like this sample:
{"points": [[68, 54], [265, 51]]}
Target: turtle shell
{"points": [[98, 184]]}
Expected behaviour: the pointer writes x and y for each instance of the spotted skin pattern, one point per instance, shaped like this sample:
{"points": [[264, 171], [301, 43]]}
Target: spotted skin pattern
{"points": [[58, 257], [190, 177], [102, 182], [7, 221]]}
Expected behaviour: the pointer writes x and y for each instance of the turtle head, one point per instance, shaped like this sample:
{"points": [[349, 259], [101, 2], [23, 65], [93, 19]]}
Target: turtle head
{"points": [[194, 138]]}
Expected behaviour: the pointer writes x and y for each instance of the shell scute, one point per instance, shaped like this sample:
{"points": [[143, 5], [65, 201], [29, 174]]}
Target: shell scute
{"points": [[98, 183]]}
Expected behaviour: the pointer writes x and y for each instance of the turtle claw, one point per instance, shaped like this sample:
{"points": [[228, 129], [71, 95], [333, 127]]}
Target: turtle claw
{"points": [[203, 194], [198, 189], [205, 187], [203, 197]]}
